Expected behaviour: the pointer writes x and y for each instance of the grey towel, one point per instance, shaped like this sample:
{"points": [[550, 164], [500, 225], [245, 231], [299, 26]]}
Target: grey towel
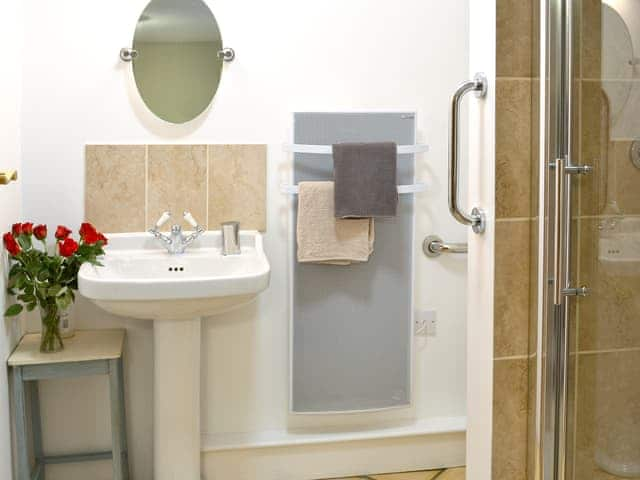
{"points": [[365, 180]]}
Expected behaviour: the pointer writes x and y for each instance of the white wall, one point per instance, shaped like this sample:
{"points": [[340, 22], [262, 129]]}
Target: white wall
{"points": [[291, 56], [10, 43]]}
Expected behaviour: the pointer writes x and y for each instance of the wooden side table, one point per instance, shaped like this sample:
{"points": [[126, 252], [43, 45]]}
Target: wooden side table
{"points": [[88, 352]]}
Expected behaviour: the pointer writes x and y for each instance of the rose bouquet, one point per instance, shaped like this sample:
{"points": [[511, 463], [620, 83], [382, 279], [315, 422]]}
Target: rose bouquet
{"points": [[44, 278]]}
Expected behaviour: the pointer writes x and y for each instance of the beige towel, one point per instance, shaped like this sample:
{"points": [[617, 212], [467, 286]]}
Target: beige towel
{"points": [[324, 239]]}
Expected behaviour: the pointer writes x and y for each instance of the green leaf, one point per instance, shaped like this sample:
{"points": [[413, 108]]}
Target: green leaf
{"points": [[13, 310]]}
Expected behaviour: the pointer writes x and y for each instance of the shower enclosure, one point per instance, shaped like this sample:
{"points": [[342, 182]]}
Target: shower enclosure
{"points": [[588, 333]]}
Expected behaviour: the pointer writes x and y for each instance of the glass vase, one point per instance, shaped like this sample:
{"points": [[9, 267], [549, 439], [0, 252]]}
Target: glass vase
{"points": [[50, 337]]}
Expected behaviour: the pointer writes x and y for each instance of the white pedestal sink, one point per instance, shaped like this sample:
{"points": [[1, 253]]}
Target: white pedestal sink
{"points": [[141, 280]]}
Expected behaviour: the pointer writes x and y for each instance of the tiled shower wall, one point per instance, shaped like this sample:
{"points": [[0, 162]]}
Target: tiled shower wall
{"points": [[605, 349], [516, 234], [127, 187]]}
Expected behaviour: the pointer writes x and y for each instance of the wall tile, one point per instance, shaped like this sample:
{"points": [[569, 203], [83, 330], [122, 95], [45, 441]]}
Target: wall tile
{"points": [[237, 185], [511, 290], [608, 416], [593, 148], [513, 148], [115, 187], [510, 392], [627, 178], [610, 317], [177, 181], [514, 25], [591, 38]]}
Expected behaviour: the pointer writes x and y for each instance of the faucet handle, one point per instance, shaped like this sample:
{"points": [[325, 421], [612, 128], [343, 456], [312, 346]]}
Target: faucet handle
{"points": [[164, 218], [190, 220]]}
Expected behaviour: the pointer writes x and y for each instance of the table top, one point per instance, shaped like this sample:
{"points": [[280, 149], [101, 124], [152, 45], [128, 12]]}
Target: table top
{"points": [[84, 346]]}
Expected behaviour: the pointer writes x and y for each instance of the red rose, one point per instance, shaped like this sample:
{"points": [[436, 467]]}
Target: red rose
{"points": [[90, 237], [40, 231], [27, 228], [10, 244], [62, 232], [86, 229], [68, 247], [103, 239], [16, 229]]}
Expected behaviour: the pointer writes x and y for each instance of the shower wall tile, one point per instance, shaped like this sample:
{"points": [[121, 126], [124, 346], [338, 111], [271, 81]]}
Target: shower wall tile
{"points": [[177, 181], [511, 289], [513, 148], [237, 185], [610, 317], [591, 38], [115, 187], [593, 147], [514, 26], [608, 415], [510, 416], [626, 185]]}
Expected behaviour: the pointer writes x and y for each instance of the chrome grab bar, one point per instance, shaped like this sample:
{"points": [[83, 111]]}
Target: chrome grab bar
{"points": [[477, 217], [433, 246], [558, 226]]}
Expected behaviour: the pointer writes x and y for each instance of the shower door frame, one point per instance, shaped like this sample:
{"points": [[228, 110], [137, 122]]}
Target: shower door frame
{"points": [[557, 167]]}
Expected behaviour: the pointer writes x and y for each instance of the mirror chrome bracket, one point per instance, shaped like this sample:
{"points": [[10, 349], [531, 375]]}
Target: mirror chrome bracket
{"points": [[227, 54], [128, 54]]}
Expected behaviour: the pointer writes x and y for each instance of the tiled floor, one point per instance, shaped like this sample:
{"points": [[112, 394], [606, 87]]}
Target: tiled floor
{"points": [[449, 474]]}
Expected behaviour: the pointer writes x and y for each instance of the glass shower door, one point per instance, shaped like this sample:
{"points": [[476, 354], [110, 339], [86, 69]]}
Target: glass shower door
{"points": [[590, 353]]}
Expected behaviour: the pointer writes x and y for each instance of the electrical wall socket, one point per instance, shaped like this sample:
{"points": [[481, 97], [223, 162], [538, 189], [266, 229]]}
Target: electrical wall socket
{"points": [[426, 323]]}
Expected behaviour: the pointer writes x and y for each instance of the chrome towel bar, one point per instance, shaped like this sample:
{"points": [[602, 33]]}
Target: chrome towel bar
{"points": [[477, 217], [328, 150], [433, 246], [402, 189]]}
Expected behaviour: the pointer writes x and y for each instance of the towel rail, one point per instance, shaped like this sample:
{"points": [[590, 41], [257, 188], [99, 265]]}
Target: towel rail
{"points": [[402, 189], [328, 150]]}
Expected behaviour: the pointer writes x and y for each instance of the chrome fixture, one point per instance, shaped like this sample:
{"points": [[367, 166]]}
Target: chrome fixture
{"points": [[635, 153], [230, 238], [402, 189], [128, 54], [328, 150], [176, 242], [227, 54], [433, 247], [476, 218]]}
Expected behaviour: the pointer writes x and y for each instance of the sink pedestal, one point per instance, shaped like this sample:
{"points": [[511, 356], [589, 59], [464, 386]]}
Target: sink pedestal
{"points": [[176, 394]]}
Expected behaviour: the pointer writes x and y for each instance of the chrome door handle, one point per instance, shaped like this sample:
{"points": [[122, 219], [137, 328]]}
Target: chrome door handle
{"points": [[477, 217], [558, 226]]}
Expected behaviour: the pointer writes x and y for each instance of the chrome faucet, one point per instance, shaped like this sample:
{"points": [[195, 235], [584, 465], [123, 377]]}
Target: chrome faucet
{"points": [[176, 242]]}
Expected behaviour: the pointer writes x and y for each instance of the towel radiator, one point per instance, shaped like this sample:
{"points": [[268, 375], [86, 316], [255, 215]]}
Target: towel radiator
{"points": [[476, 219]]}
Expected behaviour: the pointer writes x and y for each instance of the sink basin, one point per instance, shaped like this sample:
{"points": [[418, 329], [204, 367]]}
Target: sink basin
{"points": [[140, 279]]}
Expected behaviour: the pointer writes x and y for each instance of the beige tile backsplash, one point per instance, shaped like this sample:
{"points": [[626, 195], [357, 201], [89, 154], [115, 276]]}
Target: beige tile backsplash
{"points": [[129, 186], [177, 181], [115, 187], [237, 179]]}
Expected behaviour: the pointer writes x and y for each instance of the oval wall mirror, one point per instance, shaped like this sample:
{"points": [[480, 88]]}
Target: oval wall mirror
{"points": [[177, 58]]}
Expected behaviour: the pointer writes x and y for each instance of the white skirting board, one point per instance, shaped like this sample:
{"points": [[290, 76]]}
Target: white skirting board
{"points": [[313, 461]]}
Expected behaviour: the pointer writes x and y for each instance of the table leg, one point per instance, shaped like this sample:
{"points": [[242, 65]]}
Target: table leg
{"points": [[118, 422], [36, 426], [20, 413]]}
